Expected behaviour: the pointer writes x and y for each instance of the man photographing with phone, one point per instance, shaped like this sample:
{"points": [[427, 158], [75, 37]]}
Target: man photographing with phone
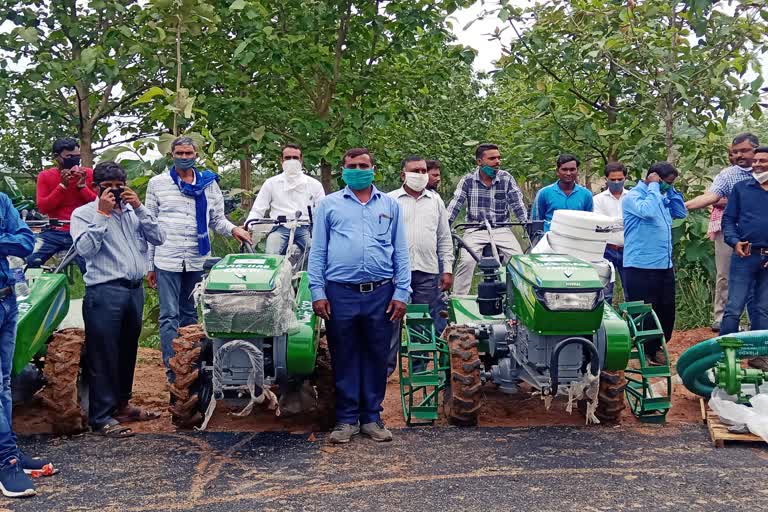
{"points": [[112, 234], [60, 190], [745, 228]]}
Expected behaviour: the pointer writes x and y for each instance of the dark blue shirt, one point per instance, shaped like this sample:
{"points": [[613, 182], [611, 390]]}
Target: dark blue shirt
{"points": [[16, 239], [746, 216]]}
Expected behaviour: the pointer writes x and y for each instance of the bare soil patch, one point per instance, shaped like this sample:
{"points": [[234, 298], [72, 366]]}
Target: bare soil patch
{"points": [[499, 410]]}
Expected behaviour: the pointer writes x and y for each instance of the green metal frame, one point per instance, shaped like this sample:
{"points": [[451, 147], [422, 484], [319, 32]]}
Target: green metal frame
{"points": [[644, 326], [420, 390]]}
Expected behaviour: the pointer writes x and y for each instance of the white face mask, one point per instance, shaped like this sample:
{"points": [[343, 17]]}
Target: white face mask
{"points": [[761, 177], [416, 181], [292, 168]]}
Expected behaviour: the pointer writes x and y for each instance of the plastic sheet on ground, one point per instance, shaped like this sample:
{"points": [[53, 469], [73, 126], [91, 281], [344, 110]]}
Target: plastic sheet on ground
{"points": [[252, 312], [754, 418]]}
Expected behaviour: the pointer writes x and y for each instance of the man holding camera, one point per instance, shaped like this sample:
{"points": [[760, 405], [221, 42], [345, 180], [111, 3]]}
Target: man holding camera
{"points": [[113, 234]]}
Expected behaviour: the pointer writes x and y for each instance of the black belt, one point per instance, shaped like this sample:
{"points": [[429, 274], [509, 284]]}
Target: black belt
{"points": [[5, 292], [126, 283], [363, 287]]}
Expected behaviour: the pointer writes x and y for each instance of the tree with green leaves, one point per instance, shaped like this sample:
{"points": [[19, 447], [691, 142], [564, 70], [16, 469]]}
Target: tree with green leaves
{"points": [[79, 66], [637, 81]]}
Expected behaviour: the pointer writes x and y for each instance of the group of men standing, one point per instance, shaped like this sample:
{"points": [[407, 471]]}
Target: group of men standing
{"points": [[371, 253]]}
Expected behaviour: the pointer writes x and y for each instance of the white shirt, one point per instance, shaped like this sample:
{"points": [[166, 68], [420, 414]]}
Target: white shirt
{"points": [[427, 230], [606, 204], [175, 213], [282, 196]]}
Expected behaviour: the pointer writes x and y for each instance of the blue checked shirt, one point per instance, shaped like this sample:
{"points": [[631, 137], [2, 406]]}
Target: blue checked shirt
{"points": [[114, 246], [16, 239], [727, 178], [492, 203]]}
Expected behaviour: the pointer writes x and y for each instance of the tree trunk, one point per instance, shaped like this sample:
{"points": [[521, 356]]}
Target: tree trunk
{"points": [[669, 130], [246, 167], [613, 154], [326, 176], [86, 146]]}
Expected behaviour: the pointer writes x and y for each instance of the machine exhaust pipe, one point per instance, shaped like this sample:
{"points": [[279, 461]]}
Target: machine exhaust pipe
{"points": [[554, 362]]}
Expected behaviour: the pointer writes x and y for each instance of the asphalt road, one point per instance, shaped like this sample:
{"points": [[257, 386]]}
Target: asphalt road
{"points": [[537, 469]]}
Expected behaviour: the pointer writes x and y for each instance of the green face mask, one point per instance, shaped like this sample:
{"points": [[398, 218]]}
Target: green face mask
{"points": [[489, 171], [357, 179], [664, 187]]}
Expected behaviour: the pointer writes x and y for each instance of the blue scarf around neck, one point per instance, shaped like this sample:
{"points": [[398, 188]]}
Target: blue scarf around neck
{"points": [[203, 180]]}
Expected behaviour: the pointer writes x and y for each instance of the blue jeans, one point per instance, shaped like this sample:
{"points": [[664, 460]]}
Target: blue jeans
{"points": [[177, 308], [277, 240], [747, 277], [359, 333], [617, 258], [52, 243], [8, 317]]}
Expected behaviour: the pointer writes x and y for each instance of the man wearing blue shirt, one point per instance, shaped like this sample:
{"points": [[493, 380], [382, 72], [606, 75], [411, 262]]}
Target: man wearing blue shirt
{"points": [[648, 212], [359, 276], [16, 239], [745, 228], [564, 194]]}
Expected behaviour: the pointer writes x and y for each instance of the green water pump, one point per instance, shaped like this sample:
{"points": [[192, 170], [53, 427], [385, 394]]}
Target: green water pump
{"points": [[729, 374]]}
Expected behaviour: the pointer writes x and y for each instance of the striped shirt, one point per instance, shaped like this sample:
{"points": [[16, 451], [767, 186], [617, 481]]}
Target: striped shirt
{"points": [[176, 214], [427, 230], [114, 246], [492, 203]]}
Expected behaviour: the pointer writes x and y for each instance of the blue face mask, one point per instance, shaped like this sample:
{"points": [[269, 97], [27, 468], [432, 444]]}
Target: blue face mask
{"points": [[357, 179], [184, 163], [489, 171]]}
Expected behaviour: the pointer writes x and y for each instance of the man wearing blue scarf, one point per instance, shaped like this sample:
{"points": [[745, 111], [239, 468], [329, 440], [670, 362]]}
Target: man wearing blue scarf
{"points": [[187, 202]]}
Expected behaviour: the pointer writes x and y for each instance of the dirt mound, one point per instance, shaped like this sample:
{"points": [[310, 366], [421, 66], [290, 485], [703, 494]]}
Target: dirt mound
{"points": [[498, 409]]}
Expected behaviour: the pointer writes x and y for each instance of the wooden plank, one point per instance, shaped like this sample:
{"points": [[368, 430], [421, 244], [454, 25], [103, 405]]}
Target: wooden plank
{"points": [[719, 433]]}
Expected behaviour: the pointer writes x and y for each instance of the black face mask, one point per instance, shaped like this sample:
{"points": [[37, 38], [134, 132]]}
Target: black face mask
{"points": [[115, 192], [70, 162]]}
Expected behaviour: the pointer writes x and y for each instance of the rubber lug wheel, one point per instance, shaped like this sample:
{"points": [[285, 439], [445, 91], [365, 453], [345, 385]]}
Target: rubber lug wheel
{"points": [[463, 395], [610, 398], [61, 394], [186, 407]]}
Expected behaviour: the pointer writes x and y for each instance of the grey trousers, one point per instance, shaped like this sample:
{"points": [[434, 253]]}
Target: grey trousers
{"points": [[506, 243]]}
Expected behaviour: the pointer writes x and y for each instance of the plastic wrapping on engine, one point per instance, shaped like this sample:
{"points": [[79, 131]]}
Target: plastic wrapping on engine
{"points": [[252, 312]]}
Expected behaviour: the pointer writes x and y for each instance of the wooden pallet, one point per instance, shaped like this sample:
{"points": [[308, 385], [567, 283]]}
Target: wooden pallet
{"points": [[718, 432]]}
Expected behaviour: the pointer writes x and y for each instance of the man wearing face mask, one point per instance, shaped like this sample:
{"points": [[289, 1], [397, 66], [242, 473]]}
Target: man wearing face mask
{"points": [[608, 203], [359, 276], [741, 152], [112, 233], [649, 276], [489, 193], [745, 228], [429, 241], [564, 194], [60, 190], [285, 194], [187, 202]]}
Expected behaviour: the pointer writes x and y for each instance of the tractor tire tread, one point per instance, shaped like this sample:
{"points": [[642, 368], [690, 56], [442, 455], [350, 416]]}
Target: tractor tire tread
{"points": [[463, 392], [184, 363], [61, 395]]}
